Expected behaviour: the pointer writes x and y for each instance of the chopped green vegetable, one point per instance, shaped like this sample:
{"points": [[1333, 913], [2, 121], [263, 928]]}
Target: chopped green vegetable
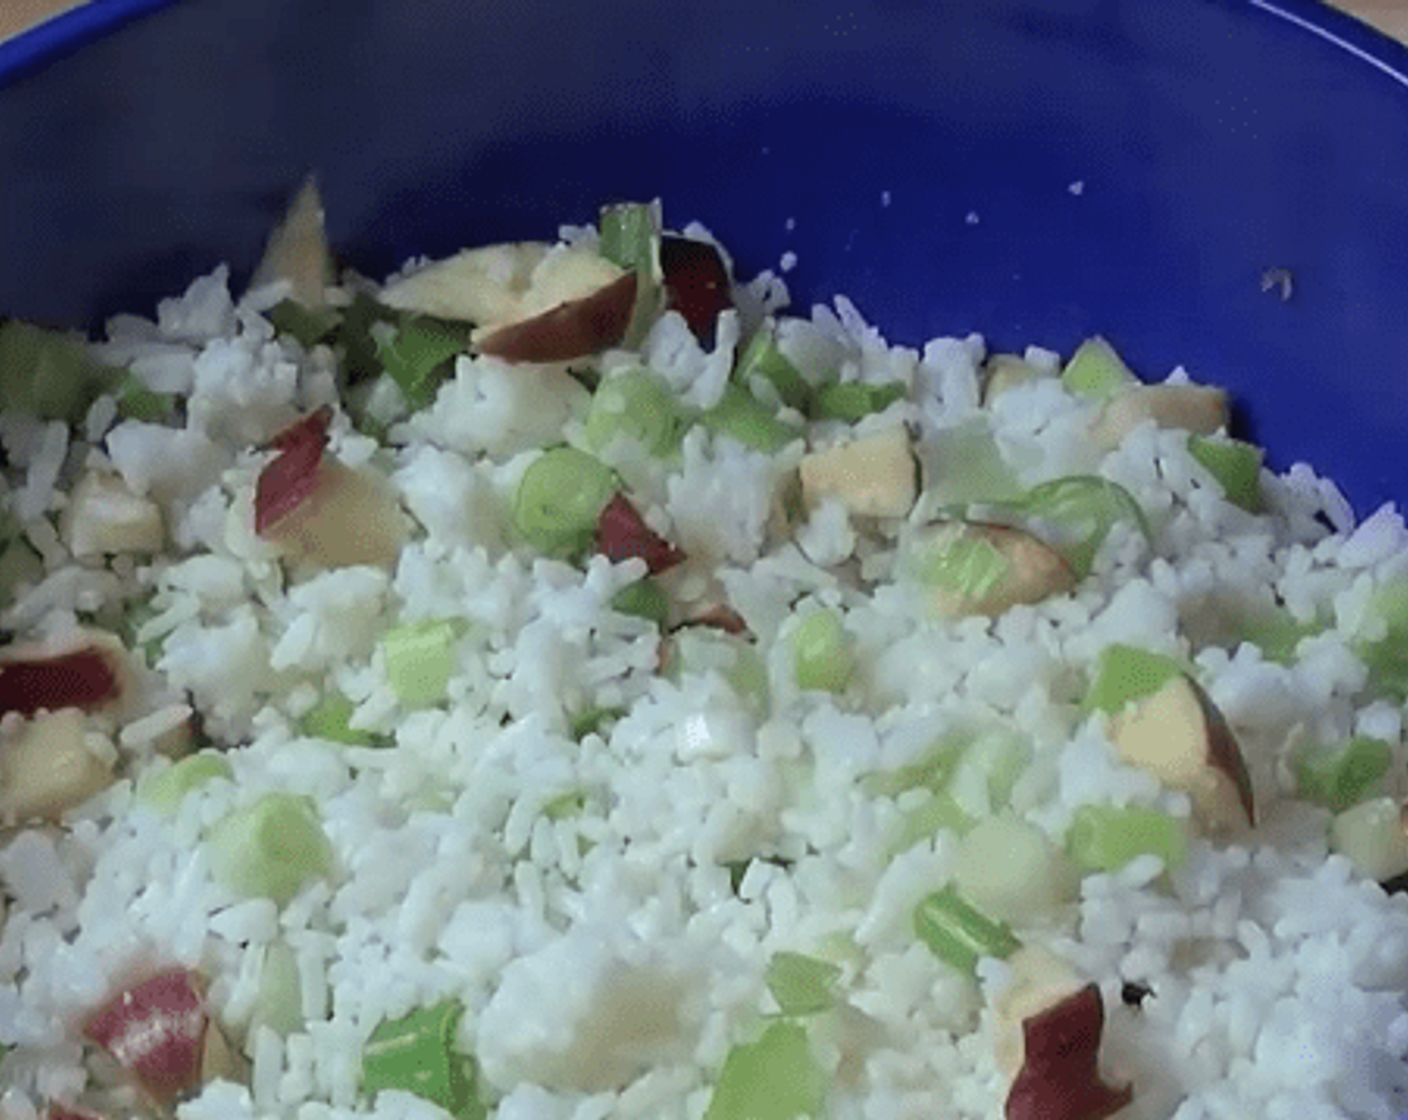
{"points": [[559, 500], [307, 326], [1095, 371], [775, 1078], [853, 400], [357, 340], [1341, 779], [959, 934], [567, 805], [1124, 674], [988, 769], [1371, 835], [1105, 838], [1387, 657], [271, 848], [592, 721], [637, 405], [1074, 515], [279, 1002], [1276, 632], [1235, 465], [822, 654], [331, 719], [416, 1054], [419, 356], [1009, 869], [763, 361], [932, 772], [164, 791], [939, 812], [802, 985], [644, 599], [967, 466], [136, 402], [420, 659], [967, 566], [19, 565], [48, 374], [629, 234], [740, 415], [703, 650]]}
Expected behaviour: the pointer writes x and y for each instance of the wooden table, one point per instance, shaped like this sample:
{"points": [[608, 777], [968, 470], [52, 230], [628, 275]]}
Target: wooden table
{"points": [[1390, 16]]}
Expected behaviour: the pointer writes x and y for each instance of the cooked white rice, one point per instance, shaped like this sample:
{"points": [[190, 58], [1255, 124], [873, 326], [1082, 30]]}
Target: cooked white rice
{"points": [[606, 962]]}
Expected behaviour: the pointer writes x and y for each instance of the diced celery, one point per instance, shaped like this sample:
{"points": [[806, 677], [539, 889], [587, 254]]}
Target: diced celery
{"points": [[1105, 838], [1074, 515], [637, 405], [821, 652], [967, 466], [983, 778], [559, 500], [307, 326], [802, 985], [1340, 779], [47, 374], [853, 400], [136, 402], [592, 720], [165, 790], [1387, 658], [278, 1003], [628, 234], [775, 1078], [740, 415], [566, 805], [939, 812], [420, 659], [330, 718], [1235, 465], [416, 1054], [932, 772], [1095, 371], [1124, 674], [1276, 633], [271, 848], [959, 934], [644, 599], [763, 360], [418, 357]]}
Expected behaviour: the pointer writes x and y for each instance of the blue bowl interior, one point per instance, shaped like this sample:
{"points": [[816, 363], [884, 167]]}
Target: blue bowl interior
{"points": [[918, 157]]}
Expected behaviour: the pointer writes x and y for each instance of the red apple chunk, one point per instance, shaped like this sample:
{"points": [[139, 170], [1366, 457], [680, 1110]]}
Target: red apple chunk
{"points": [[83, 678], [573, 329], [696, 283], [1060, 1076], [156, 1031], [622, 533]]}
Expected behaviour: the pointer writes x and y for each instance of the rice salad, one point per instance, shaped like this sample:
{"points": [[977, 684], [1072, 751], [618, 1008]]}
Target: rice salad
{"points": [[563, 683]]}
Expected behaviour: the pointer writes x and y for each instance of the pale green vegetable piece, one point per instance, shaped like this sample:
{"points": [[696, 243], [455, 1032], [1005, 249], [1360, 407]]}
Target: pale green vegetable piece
{"points": [[279, 1002], [967, 466], [1074, 515], [1340, 779], [1096, 371], [270, 849], [1124, 674], [416, 1055], [164, 791], [958, 933], [1011, 871], [802, 985], [1373, 838], [775, 1078], [636, 405], [1105, 837], [331, 719], [420, 661], [1235, 465], [559, 500], [822, 654]]}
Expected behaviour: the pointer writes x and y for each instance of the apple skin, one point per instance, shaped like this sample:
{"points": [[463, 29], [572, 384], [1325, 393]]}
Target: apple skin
{"points": [[1060, 1076], [1194, 408], [1180, 737], [572, 329]]}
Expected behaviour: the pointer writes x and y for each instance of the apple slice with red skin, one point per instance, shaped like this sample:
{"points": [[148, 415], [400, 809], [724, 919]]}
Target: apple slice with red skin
{"points": [[573, 329], [621, 533], [1060, 1075], [157, 1031], [696, 283]]}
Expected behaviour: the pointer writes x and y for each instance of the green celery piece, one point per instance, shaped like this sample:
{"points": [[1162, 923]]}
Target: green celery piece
{"points": [[939, 812], [271, 848], [559, 500], [566, 805], [932, 772], [775, 1078], [136, 402], [307, 326], [19, 565], [419, 355], [637, 404], [763, 359], [852, 400], [1276, 633], [822, 654], [802, 985], [1124, 674], [702, 650], [330, 718], [1387, 658], [1095, 371], [164, 791], [629, 234], [1076, 514], [354, 337], [592, 720], [416, 1054], [1105, 838], [1236, 466], [420, 659], [644, 599], [47, 374], [968, 466], [968, 565], [960, 935], [999, 758], [1339, 780], [278, 1003], [740, 415]]}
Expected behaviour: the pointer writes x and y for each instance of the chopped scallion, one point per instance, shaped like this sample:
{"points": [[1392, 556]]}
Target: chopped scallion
{"points": [[1074, 515], [629, 234], [644, 599], [136, 402], [636, 405], [763, 361], [331, 719], [165, 790], [1235, 465], [47, 374], [307, 326], [559, 500], [418, 357]]}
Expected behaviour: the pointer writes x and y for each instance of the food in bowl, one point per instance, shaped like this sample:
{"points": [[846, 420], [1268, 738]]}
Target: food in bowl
{"points": [[560, 681]]}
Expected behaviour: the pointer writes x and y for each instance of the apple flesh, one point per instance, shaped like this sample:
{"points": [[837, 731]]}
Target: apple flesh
{"points": [[1180, 737], [47, 769], [1194, 408], [970, 568], [103, 517], [298, 250], [1060, 1075], [873, 477], [1004, 372], [572, 329]]}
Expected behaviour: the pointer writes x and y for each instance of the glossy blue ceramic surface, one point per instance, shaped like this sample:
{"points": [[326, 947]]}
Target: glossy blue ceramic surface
{"points": [[920, 156]]}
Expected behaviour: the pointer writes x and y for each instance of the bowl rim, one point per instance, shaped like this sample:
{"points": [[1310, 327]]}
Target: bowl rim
{"points": [[54, 38]]}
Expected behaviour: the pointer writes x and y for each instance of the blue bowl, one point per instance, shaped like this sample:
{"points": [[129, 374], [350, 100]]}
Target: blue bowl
{"points": [[1036, 170]]}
